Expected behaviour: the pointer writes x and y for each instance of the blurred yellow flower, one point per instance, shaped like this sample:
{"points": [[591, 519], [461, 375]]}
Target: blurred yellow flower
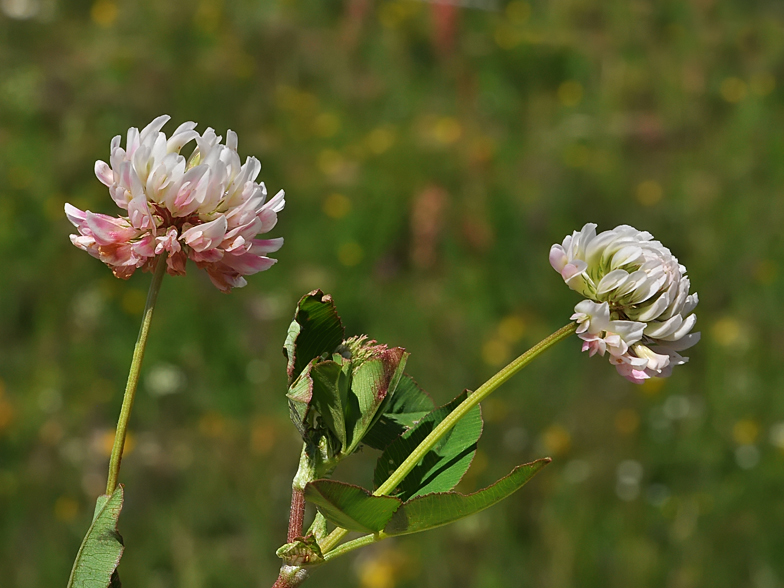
{"points": [[104, 13], [570, 93], [556, 440], [336, 206], [762, 83], [649, 192], [627, 421], [65, 509], [350, 254], [745, 432], [733, 90], [495, 352]]}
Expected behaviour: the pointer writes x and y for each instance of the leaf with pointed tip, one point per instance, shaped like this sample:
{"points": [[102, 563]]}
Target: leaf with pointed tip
{"points": [[402, 410], [433, 510], [372, 382], [356, 509], [102, 547], [299, 396], [315, 330], [351, 507], [443, 466]]}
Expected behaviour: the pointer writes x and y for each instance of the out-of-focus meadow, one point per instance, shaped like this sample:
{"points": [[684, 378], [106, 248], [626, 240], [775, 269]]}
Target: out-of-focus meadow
{"points": [[431, 154]]}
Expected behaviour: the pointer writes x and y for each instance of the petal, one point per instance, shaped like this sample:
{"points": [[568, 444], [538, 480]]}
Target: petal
{"points": [[558, 258], [248, 264], [108, 230], [206, 235], [104, 173], [262, 246], [611, 281], [76, 216]]}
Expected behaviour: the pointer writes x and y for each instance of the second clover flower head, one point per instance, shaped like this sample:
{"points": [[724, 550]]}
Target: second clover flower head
{"points": [[207, 208], [637, 307]]}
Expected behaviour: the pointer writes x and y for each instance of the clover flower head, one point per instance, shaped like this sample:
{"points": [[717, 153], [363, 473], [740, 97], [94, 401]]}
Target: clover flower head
{"points": [[207, 208], [637, 307]]}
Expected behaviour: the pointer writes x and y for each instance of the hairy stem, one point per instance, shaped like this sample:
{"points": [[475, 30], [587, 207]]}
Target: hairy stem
{"points": [[133, 376], [306, 472], [439, 431]]}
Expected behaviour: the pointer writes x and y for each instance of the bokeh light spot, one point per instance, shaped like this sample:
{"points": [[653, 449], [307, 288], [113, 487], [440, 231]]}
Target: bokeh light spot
{"points": [[518, 11], [511, 328], [649, 193], [652, 386], [104, 13], [745, 432], [212, 424], [447, 130], [570, 93], [350, 254], [262, 436], [627, 421], [133, 301], [762, 83], [727, 331], [381, 139], [556, 440], [507, 37], [733, 90], [495, 352], [577, 155], [336, 206], [327, 124], [65, 509], [105, 441]]}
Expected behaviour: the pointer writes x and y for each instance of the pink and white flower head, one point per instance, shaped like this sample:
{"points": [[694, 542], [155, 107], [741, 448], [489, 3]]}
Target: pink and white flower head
{"points": [[638, 308], [207, 208]]}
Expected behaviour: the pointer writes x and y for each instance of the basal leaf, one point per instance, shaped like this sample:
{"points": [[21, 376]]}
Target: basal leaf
{"points": [[315, 330], [373, 381], [444, 465], [401, 411], [433, 510], [351, 507], [102, 547]]}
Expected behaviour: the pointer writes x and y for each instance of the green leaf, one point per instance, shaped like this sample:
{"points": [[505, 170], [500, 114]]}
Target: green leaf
{"points": [[351, 507], [102, 547], [402, 410], [443, 466], [331, 382], [433, 510], [299, 395], [315, 330], [356, 509], [372, 382]]}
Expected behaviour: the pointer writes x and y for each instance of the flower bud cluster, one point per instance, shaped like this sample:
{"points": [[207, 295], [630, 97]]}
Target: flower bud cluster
{"points": [[207, 208], [637, 306]]}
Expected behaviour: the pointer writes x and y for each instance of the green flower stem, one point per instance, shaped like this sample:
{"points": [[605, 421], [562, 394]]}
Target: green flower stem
{"points": [[133, 376], [354, 544], [438, 432]]}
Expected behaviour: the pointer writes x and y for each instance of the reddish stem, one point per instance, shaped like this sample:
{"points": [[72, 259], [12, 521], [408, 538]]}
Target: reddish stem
{"points": [[290, 577], [296, 515]]}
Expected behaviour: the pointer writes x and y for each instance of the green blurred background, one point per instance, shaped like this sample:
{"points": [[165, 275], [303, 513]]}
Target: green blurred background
{"points": [[431, 154]]}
